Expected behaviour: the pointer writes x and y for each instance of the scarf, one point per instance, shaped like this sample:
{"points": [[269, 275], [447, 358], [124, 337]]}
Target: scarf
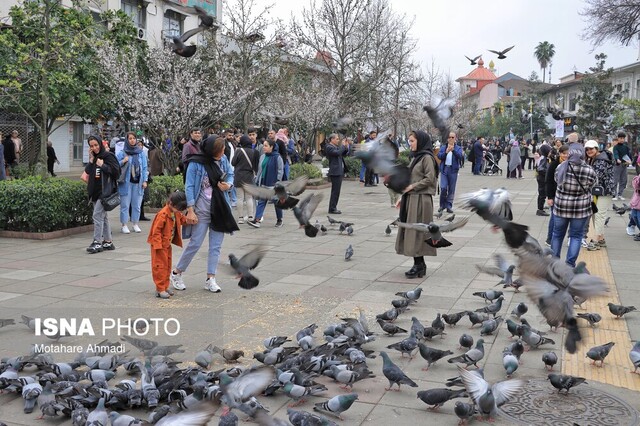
{"points": [[222, 219], [94, 186], [134, 159], [576, 156]]}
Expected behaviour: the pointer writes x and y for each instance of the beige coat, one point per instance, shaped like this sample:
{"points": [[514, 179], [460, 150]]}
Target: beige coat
{"points": [[419, 210]]}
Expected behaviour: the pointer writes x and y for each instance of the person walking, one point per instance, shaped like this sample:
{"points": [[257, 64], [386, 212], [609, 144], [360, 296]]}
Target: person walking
{"points": [[132, 182], [51, 158], [101, 175], [478, 151], [335, 151], [270, 171], [572, 203], [622, 159], [245, 167], [209, 177], [450, 156], [3, 174], [9, 154], [541, 178], [602, 163], [515, 163], [416, 203]]}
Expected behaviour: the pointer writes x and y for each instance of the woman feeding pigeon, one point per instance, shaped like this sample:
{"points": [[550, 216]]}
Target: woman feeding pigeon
{"points": [[416, 203]]}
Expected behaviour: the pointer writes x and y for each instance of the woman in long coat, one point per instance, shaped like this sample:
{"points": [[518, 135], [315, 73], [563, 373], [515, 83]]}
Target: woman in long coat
{"points": [[514, 160], [416, 204]]}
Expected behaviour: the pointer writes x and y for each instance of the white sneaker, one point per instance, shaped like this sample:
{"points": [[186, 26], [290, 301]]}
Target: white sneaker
{"points": [[212, 285], [621, 198], [241, 221], [630, 230], [136, 229], [177, 282], [615, 199], [585, 243], [125, 229]]}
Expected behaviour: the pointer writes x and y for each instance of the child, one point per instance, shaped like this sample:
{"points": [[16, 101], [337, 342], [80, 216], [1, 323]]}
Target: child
{"points": [[166, 229], [635, 205]]}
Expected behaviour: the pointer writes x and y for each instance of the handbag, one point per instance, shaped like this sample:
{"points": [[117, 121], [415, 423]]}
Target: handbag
{"points": [[597, 190], [594, 207], [111, 201]]}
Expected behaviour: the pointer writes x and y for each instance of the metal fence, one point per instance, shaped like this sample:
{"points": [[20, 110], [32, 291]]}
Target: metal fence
{"points": [[26, 132]]}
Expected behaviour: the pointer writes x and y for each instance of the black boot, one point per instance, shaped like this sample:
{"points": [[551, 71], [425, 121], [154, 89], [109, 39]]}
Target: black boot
{"points": [[417, 271]]}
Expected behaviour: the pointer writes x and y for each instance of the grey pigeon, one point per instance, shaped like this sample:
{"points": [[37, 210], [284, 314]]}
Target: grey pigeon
{"points": [[406, 346], [431, 355], [516, 348], [250, 383], [348, 254], [6, 321], [464, 411], [440, 111], [512, 327], [245, 264], [282, 194], [297, 393], [304, 211], [118, 419], [412, 295], [452, 319], [490, 325], [457, 381], [417, 328], [503, 269], [510, 363], [434, 230], [400, 303], [592, 317], [99, 416], [562, 381], [389, 315], [634, 356], [389, 328], [533, 339], [550, 359], [493, 308], [438, 323], [430, 333], [465, 341], [599, 353], [304, 418], [30, 394], [477, 318], [337, 405], [275, 341], [393, 373], [619, 310], [489, 397], [489, 295], [229, 355], [501, 53], [436, 398], [204, 358], [387, 231], [472, 356], [520, 309], [229, 419], [346, 377], [349, 230], [488, 201]]}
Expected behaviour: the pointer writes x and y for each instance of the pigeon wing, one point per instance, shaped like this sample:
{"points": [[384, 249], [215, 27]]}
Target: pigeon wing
{"points": [[309, 205], [555, 305], [493, 51], [475, 385], [298, 185], [508, 49], [450, 226], [506, 390], [491, 270], [197, 416], [251, 383], [259, 192], [253, 258], [420, 227], [190, 33]]}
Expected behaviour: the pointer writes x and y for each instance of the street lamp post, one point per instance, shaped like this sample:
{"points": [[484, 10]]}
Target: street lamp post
{"points": [[531, 118]]}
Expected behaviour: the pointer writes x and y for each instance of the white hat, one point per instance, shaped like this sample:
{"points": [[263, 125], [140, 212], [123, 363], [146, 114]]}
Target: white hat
{"points": [[591, 144]]}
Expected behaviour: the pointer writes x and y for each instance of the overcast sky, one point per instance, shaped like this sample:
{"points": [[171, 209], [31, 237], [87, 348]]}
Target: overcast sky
{"points": [[448, 30]]}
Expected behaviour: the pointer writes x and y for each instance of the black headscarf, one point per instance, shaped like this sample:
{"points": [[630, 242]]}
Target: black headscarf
{"points": [[424, 147], [222, 219], [109, 172]]}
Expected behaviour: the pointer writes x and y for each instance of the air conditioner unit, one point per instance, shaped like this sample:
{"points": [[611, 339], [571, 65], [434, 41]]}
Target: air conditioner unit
{"points": [[142, 33]]}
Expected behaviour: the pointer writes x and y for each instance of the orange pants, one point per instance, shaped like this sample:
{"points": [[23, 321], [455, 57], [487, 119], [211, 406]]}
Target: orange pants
{"points": [[161, 268]]}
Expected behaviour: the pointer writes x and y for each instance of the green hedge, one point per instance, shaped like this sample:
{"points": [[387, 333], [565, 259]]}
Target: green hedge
{"points": [[161, 187], [34, 204], [304, 169], [352, 164]]}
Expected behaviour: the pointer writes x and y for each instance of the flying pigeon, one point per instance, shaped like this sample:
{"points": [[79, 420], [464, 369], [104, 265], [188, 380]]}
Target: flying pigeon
{"points": [[282, 194], [501, 53], [245, 264], [489, 397], [474, 60], [303, 212], [434, 231], [439, 111]]}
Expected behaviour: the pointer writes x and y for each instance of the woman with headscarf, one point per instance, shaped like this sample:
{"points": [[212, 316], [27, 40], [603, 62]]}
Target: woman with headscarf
{"points": [[603, 164], [209, 177], [270, 171], [132, 182], [572, 203], [416, 203], [101, 173], [245, 166], [514, 160]]}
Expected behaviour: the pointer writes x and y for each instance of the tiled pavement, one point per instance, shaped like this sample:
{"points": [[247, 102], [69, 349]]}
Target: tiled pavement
{"points": [[306, 280]]}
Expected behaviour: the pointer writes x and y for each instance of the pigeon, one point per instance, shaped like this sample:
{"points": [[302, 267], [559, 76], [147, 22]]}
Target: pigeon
{"points": [[431, 355], [489, 295], [561, 381], [533, 339], [344, 225], [474, 60], [204, 358], [592, 317], [389, 315], [489, 398], [6, 321], [337, 405], [464, 411], [465, 341], [437, 397], [487, 202], [303, 212], [229, 419], [30, 394], [502, 269], [387, 231], [342, 124], [490, 325], [400, 303], [472, 356], [501, 53], [99, 416], [297, 392], [634, 356], [417, 328], [512, 327], [412, 295], [346, 377], [282, 194], [434, 231], [118, 419], [250, 382], [230, 355], [619, 310], [348, 254], [179, 46], [437, 323], [477, 318], [516, 348], [510, 363], [393, 373], [550, 359], [332, 221], [493, 308], [430, 333], [206, 20], [390, 329], [349, 230], [275, 341], [439, 111], [406, 346], [323, 229], [599, 353], [245, 264], [452, 319], [520, 309]]}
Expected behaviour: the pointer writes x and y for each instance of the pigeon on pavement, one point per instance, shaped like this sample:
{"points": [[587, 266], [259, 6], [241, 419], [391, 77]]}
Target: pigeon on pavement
{"points": [[336, 405], [394, 374], [348, 254], [412, 295], [619, 310], [634, 356], [592, 317], [550, 359], [566, 382], [472, 356], [599, 353], [431, 355], [436, 398]]}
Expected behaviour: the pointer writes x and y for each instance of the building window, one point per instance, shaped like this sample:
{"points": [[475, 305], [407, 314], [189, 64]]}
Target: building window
{"points": [[136, 10], [172, 24], [626, 90], [572, 101]]}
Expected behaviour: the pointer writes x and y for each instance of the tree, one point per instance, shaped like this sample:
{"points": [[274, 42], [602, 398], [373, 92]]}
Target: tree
{"points": [[544, 53], [597, 102], [615, 20], [49, 69]]}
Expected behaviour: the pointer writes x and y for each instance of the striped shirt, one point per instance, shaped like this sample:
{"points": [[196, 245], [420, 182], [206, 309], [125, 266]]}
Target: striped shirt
{"points": [[571, 200]]}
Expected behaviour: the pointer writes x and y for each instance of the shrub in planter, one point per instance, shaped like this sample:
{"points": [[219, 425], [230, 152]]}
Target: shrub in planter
{"points": [[404, 158], [161, 187], [352, 168], [34, 204], [304, 169]]}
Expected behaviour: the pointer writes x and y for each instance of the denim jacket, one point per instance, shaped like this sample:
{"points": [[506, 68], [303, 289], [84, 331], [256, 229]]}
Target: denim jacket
{"points": [[196, 172], [123, 187]]}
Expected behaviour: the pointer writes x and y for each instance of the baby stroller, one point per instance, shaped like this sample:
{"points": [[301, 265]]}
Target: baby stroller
{"points": [[490, 165]]}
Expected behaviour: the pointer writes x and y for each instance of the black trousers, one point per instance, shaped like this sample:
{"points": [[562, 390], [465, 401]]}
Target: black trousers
{"points": [[368, 176], [542, 193], [50, 164], [336, 185]]}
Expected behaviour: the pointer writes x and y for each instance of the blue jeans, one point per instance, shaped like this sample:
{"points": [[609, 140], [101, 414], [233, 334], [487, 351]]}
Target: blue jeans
{"points": [[551, 222], [448, 180], [576, 231], [477, 166], [635, 218], [197, 237], [233, 196], [133, 199], [260, 210], [362, 170]]}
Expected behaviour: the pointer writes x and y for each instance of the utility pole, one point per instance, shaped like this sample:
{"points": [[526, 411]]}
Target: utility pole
{"points": [[531, 117]]}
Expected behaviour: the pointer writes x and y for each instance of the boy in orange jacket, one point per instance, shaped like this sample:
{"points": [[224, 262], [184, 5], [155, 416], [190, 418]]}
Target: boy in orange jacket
{"points": [[165, 230]]}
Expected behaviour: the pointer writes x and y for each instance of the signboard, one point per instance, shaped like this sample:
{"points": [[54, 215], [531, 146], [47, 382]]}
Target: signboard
{"points": [[569, 122], [559, 129], [208, 5]]}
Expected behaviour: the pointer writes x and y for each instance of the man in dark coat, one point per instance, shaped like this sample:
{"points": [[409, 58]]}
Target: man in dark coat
{"points": [[335, 151]]}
